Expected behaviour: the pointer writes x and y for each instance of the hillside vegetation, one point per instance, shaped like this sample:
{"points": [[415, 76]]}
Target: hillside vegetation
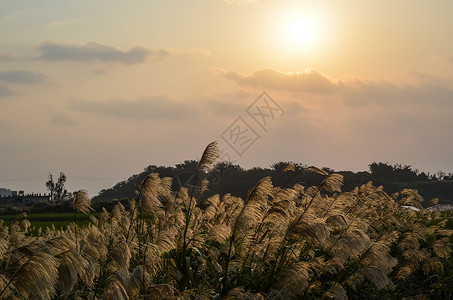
{"points": [[228, 178]]}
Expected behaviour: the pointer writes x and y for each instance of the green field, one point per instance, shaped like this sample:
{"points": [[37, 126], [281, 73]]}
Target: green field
{"points": [[46, 220]]}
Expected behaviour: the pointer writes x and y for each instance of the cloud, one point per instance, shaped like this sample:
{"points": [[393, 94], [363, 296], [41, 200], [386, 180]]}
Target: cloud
{"points": [[429, 89], [142, 108], [23, 77], [4, 91], [386, 93], [64, 22], [61, 119], [97, 51], [309, 81], [8, 57], [448, 57]]}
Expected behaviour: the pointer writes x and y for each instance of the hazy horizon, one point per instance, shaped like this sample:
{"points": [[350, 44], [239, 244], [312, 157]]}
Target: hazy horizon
{"points": [[102, 90]]}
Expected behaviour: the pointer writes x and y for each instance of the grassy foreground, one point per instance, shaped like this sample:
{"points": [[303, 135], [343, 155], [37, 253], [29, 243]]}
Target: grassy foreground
{"points": [[302, 242]]}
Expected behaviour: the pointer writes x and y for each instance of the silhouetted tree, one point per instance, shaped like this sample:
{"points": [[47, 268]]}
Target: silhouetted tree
{"points": [[57, 189]]}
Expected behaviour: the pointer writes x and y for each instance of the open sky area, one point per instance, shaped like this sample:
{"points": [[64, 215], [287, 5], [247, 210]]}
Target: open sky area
{"points": [[102, 89]]}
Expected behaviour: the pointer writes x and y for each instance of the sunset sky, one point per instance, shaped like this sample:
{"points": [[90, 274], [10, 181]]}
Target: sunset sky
{"points": [[102, 89]]}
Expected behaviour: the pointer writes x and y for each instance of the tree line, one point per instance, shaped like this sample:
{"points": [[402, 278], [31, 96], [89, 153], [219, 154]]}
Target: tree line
{"points": [[233, 179]]}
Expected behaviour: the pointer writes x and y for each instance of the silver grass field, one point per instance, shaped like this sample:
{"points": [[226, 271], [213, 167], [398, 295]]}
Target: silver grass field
{"points": [[303, 242]]}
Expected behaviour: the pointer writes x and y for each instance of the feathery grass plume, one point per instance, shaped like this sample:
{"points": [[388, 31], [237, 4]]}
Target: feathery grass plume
{"points": [[410, 241], [117, 211], [211, 209], [81, 202], [209, 157], [444, 232], [239, 293], [294, 280], [404, 272], [378, 256], [59, 244], [152, 188], [298, 188], [336, 222], [219, 233], [289, 167], [135, 281], [3, 287], [153, 258], [22, 215], [281, 211], [204, 185], [377, 277], [332, 183], [440, 248], [336, 292], [71, 265], [121, 254], [37, 276], [3, 247], [309, 228], [409, 197], [114, 290], [433, 265], [350, 244], [260, 191], [182, 194], [316, 170], [434, 201], [24, 224], [252, 212], [161, 291]]}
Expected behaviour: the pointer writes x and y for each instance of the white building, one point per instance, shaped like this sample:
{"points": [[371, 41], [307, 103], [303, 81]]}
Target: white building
{"points": [[5, 192]]}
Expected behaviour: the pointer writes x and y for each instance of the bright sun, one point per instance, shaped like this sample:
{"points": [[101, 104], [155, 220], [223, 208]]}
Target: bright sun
{"points": [[300, 31]]}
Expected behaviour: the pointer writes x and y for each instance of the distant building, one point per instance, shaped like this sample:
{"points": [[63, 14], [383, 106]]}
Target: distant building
{"points": [[33, 198], [5, 192], [14, 198], [440, 207]]}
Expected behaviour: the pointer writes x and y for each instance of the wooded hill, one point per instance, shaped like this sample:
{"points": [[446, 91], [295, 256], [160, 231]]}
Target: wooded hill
{"points": [[233, 179]]}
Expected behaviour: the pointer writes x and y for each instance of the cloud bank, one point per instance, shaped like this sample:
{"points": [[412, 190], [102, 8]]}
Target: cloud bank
{"points": [[309, 81], [142, 108], [4, 91], [22, 77], [99, 52]]}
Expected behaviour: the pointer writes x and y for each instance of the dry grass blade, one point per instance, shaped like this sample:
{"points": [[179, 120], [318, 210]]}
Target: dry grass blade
{"points": [[378, 278], [135, 281], [293, 281], [82, 203], [240, 293], [121, 254], [316, 170], [37, 277], [261, 190], [336, 292], [332, 183], [209, 157], [204, 185], [289, 167], [114, 290], [219, 233]]}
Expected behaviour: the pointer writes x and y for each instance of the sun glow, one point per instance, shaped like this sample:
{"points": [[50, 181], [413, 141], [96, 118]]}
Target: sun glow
{"points": [[300, 31]]}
